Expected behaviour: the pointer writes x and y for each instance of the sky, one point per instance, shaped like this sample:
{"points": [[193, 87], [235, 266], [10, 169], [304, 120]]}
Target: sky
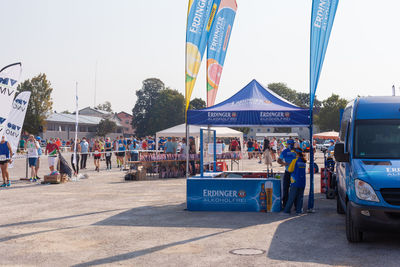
{"points": [[131, 40]]}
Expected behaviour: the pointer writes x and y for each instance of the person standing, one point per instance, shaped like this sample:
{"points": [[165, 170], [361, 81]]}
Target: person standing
{"points": [[170, 146], [51, 151], [97, 154], [40, 152], [274, 149], [192, 153], [297, 171], [5, 158], [286, 157], [108, 153], [121, 151], [234, 145], [85, 151], [32, 147], [78, 151]]}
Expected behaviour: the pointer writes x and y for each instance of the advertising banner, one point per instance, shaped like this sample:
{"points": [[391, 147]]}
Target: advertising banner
{"points": [[200, 18], [9, 77], [242, 194], [218, 45], [15, 121], [322, 17]]}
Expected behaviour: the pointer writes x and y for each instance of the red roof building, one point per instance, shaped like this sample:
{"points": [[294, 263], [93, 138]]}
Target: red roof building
{"points": [[126, 122]]}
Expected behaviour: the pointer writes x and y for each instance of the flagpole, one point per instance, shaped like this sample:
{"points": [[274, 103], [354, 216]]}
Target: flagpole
{"points": [[76, 123]]}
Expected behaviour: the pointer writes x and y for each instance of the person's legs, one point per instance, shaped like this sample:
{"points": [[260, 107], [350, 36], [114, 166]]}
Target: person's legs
{"points": [[37, 168], [3, 173], [292, 196], [77, 163], [299, 200], [72, 163], [285, 190]]}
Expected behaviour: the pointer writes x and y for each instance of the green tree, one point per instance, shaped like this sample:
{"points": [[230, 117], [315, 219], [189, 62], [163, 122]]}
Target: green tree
{"points": [[105, 127], [169, 110], [40, 102], [106, 106], [197, 103], [146, 100], [329, 116], [284, 91], [66, 112]]}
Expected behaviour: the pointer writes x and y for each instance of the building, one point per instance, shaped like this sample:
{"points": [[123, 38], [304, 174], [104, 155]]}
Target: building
{"points": [[259, 129], [63, 125], [125, 120]]}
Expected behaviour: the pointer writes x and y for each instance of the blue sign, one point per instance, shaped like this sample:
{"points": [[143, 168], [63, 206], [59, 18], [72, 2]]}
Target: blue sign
{"points": [[229, 194]]}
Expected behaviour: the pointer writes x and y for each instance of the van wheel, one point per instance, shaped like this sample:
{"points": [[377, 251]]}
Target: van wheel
{"points": [[353, 234], [339, 207]]}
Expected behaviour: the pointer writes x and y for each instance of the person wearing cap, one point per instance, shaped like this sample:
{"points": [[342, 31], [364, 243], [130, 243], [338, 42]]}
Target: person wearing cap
{"points": [[285, 158], [331, 147], [297, 171]]}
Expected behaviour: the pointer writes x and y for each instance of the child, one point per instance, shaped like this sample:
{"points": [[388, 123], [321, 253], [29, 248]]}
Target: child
{"points": [[297, 171]]}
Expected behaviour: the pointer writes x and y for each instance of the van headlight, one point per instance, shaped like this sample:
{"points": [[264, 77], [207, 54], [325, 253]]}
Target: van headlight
{"points": [[364, 191]]}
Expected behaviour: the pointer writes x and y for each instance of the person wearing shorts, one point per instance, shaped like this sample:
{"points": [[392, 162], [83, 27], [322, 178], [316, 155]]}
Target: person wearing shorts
{"points": [[108, 152], [51, 151], [32, 147], [97, 155], [5, 158], [121, 151]]}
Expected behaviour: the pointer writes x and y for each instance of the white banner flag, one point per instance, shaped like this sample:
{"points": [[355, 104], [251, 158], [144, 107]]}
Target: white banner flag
{"points": [[9, 77], [15, 121]]}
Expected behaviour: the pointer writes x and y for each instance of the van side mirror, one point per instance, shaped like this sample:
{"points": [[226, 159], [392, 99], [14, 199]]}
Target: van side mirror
{"points": [[339, 153]]}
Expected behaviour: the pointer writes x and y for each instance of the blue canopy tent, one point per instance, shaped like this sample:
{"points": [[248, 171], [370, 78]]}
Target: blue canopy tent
{"points": [[252, 105]]}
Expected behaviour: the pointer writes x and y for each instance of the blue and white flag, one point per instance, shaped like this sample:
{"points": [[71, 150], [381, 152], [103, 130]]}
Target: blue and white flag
{"points": [[9, 77], [322, 17]]}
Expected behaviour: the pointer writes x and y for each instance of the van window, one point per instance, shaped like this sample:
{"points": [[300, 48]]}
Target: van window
{"points": [[347, 137], [343, 125], [377, 139]]}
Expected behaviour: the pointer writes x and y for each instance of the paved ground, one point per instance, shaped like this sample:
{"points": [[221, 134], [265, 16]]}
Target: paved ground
{"points": [[106, 221]]}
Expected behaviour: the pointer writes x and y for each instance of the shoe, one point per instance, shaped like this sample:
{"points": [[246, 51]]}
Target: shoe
{"points": [[31, 179], [3, 185], [37, 177], [34, 180], [8, 184]]}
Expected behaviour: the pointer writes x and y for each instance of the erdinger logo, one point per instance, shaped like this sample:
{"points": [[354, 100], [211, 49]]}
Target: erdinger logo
{"points": [[219, 114], [20, 104], [234, 115], [242, 193], [274, 116], [222, 116]]}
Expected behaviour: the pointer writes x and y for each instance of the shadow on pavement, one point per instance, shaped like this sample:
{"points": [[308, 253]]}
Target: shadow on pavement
{"points": [[177, 216], [321, 238], [7, 238], [138, 253], [56, 218]]}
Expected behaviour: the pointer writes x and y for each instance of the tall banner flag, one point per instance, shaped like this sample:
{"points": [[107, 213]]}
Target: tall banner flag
{"points": [[199, 22], [76, 122], [218, 45], [9, 77], [15, 121], [322, 17]]}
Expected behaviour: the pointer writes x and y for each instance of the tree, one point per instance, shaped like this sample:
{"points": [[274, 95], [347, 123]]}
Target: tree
{"points": [[329, 116], [168, 111], [105, 127], [66, 112], [284, 91], [106, 106], [197, 103], [40, 103], [145, 103]]}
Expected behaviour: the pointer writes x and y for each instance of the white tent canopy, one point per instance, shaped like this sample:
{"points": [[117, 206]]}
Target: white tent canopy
{"points": [[194, 130]]}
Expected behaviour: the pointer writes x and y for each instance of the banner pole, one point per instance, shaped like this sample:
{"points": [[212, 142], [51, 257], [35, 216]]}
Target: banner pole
{"points": [[311, 194], [187, 150], [76, 124]]}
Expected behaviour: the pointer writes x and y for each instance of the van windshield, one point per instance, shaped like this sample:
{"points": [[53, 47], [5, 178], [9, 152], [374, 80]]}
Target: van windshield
{"points": [[377, 139]]}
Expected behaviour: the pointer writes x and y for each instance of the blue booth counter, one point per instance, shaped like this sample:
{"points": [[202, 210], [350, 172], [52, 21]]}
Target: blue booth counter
{"points": [[233, 194]]}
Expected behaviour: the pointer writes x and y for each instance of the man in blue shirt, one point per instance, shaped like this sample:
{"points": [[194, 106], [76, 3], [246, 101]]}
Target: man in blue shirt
{"points": [[84, 150], [285, 159]]}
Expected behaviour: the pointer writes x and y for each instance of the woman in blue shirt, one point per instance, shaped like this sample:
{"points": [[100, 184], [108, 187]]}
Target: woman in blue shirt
{"points": [[5, 158]]}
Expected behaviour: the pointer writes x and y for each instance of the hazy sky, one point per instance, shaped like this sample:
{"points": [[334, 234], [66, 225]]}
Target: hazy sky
{"points": [[132, 40]]}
